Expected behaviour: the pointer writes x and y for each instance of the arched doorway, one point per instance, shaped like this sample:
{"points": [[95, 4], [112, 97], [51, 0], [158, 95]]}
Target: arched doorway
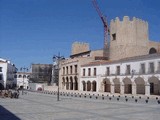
{"points": [[127, 86], [116, 85], [154, 86], [88, 86], [76, 83], [71, 83], [152, 51], [67, 83], [84, 85], [107, 85], [140, 85], [94, 86]]}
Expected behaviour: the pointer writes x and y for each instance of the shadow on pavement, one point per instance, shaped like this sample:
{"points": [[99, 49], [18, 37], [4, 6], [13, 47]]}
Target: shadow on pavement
{"points": [[7, 115]]}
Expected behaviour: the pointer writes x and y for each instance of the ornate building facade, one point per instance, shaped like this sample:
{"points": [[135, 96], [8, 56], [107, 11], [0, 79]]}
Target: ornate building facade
{"points": [[132, 68]]}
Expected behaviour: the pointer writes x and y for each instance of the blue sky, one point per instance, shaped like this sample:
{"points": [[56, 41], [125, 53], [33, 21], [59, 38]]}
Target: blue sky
{"points": [[32, 31]]}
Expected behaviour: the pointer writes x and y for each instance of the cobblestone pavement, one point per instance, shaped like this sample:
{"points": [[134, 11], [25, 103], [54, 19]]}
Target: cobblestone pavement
{"points": [[38, 106]]}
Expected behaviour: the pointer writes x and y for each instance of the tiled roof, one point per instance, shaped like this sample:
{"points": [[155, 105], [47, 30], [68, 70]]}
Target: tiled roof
{"points": [[143, 57]]}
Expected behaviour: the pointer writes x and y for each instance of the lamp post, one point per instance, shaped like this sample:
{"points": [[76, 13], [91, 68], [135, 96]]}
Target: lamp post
{"points": [[56, 62], [23, 69]]}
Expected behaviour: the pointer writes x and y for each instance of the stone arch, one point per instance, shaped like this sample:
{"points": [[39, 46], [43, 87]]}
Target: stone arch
{"points": [[107, 85], [71, 83], [154, 85], [152, 50], [94, 86], [24, 76], [67, 83], [140, 85], [116, 82], [75, 83], [19, 76], [127, 86], [84, 85], [88, 86]]}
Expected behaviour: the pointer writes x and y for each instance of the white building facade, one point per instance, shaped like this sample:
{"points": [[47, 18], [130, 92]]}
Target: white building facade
{"points": [[7, 73], [135, 75], [22, 79]]}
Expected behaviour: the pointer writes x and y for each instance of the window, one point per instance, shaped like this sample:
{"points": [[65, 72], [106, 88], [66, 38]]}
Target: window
{"points": [[75, 68], [118, 70], [67, 69], [20, 76], [63, 70], [114, 36], [128, 70], [70, 69], [143, 69], [0, 69], [95, 72], [1, 78], [84, 72], [108, 71], [89, 71], [151, 67]]}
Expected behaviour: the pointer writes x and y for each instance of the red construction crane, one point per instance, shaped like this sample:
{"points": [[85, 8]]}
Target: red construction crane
{"points": [[106, 29]]}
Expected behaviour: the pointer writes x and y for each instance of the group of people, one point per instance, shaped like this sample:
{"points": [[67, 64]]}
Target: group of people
{"points": [[10, 93]]}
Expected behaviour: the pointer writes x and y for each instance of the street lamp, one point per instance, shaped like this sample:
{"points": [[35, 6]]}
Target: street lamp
{"points": [[56, 62], [23, 69]]}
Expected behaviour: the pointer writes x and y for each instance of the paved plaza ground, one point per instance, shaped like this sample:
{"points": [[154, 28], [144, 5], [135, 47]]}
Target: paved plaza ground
{"points": [[38, 106]]}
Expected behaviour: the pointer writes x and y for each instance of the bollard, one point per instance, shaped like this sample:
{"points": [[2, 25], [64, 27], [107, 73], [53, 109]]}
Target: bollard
{"points": [[136, 100], [156, 98], [146, 101], [139, 97], [96, 97], [132, 96], [110, 98], [117, 99], [126, 99], [90, 97], [102, 98], [158, 101]]}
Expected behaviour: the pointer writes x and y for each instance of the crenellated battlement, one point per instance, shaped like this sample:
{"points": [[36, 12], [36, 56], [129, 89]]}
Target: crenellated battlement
{"points": [[128, 36], [79, 47], [126, 19]]}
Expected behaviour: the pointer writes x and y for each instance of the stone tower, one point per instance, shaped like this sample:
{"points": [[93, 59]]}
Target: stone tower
{"points": [[128, 38], [78, 47]]}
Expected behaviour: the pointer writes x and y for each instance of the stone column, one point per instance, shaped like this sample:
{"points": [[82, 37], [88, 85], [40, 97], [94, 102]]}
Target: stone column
{"points": [[74, 86], [66, 85], [102, 87], [147, 88], [112, 88], [91, 87], [121, 88], [134, 89]]}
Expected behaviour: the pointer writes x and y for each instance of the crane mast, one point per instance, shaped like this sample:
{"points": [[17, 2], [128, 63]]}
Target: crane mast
{"points": [[106, 29]]}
